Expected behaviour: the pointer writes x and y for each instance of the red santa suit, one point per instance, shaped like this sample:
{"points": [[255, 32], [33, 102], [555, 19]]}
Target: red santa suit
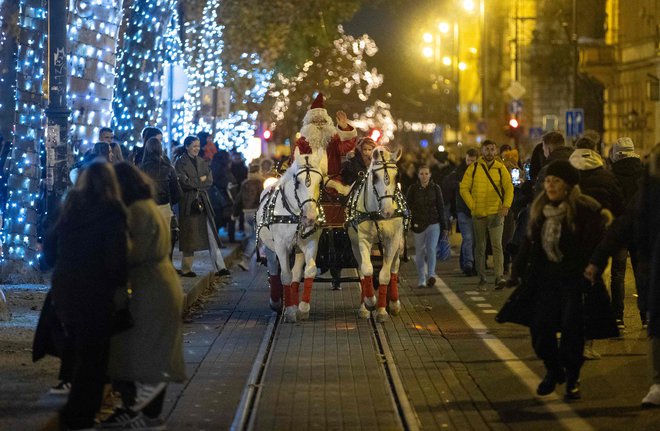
{"points": [[319, 133]]}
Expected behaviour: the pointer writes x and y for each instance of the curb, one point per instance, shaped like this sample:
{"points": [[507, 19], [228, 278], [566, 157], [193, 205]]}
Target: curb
{"points": [[191, 296]]}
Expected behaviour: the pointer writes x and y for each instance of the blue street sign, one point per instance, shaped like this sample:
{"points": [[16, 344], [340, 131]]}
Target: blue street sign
{"points": [[574, 122], [515, 107], [535, 133]]}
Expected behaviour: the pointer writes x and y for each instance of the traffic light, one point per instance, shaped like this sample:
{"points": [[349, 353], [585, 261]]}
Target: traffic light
{"points": [[513, 129], [267, 134]]}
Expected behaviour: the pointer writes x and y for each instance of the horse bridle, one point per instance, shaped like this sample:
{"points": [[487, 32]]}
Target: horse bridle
{"points": [[381, 165], [307, 170]]}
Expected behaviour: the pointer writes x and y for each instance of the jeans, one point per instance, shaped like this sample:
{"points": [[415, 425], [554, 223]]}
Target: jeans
{"points": [[492, 226], [426, 243], [467, 243]]}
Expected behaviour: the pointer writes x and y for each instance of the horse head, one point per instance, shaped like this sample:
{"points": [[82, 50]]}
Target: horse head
{"points": [[310, 169], [384, 171]]}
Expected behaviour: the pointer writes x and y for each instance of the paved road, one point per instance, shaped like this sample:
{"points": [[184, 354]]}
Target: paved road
{"points": [[458, 368]]}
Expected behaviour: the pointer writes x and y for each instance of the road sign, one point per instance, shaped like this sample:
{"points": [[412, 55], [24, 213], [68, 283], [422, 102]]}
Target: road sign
{"points": [[535, 133], [516, 90], [574, 122], [515, 107]]}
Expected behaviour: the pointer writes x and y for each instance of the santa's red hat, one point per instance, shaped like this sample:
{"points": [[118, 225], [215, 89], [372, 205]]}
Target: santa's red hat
{"points": [[316, 111]]}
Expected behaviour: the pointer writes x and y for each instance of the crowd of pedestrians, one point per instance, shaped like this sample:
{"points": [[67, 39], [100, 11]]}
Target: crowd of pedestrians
{"points": [[116, 300], [548, 225]]}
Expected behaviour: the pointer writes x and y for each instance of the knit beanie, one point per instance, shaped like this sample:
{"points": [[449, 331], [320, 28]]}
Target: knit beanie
{"points": [[564, 170]]}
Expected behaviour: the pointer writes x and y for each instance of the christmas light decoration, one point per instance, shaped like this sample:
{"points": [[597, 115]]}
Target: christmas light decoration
{"points": [[204, 47], [138, 89], [21, 213], [92, 33]]}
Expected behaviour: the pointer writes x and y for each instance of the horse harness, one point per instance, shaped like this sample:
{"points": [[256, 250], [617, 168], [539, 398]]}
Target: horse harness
{"points": [[270, 218], [355, 217]]}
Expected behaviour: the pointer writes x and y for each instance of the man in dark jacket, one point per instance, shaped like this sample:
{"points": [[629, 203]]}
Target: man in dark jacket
{"points": [[554, 148], [462, 213], [427, 208], [247, 203]]}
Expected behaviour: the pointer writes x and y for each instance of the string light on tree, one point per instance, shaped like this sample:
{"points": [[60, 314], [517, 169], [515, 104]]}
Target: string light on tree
{"points": [[21, 213]]}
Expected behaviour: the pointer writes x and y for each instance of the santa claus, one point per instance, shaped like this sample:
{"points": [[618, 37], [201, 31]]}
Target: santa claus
{"points": [[319, 133]]}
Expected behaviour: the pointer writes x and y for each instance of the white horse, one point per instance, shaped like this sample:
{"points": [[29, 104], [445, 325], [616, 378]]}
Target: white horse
{"points": [[287, 220], [375, 215]]}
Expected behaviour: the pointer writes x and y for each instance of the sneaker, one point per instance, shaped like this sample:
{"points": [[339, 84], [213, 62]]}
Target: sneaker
{"points": [[245, 266], [62, 388], [118, 419], [620, 324], [146, 394], [223, 272], [143, 422], [431, 281], [551, 379], [652, 399], [589, 352], [573, 392], [500, 283]]}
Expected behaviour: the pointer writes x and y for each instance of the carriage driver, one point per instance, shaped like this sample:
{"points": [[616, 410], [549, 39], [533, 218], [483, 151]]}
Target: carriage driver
{"points": [[319, 132]]}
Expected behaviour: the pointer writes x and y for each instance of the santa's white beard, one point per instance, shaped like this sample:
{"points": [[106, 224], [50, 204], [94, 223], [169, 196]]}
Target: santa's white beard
{"points": [[318, 136]]}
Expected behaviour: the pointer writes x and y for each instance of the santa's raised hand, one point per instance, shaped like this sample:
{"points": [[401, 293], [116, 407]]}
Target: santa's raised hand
{"points": [[342, 120]]}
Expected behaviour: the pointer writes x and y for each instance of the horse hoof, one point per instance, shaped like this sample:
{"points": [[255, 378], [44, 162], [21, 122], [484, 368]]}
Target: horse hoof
{"points": [[363, 313], [303, 310], [381, 315], [395, 307], [276, 305], [291, 314], [370, 303]]}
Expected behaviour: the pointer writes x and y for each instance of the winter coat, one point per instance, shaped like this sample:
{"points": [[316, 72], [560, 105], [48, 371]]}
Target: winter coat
{"points": [[193, 235], [88, 251], [341, 144], [628, 173], [537, 271], [351, 168], [152, 350], [426, 206], [596, 181], [478, 192], [647, 240], [452, 182], [249, 193], [168, 190]]}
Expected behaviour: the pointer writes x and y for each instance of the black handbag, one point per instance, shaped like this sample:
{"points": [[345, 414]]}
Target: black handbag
{"points": [[599, 320], [197, 206], [519, 307]]}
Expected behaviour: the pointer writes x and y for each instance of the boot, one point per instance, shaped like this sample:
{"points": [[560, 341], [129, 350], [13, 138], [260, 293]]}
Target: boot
{"points": [[555, 376]]}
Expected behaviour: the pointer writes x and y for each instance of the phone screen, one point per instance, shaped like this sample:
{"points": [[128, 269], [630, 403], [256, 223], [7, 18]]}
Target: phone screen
{"points": [[515, 176]]}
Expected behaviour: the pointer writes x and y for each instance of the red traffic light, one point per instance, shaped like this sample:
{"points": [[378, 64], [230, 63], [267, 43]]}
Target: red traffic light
{"points": [[513, 123], [267, 134]]}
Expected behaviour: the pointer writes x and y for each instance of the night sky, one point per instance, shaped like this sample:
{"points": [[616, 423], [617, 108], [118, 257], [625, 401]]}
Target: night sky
{"points": [[396, 27]]}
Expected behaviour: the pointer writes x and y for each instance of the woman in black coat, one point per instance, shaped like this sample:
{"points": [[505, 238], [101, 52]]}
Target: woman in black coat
{"points": [[564, 228], [167, 189], [196, 217], [88, 250]]}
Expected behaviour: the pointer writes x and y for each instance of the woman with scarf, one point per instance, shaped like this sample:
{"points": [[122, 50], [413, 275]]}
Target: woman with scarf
{"points": [[564, 228]]}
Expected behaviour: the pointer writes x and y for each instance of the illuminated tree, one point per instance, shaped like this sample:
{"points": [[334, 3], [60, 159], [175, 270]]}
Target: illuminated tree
{"points": [[140, 66], [21, 215]]}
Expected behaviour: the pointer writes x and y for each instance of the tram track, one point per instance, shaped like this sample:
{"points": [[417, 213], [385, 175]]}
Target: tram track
{"points": [[248, 408]]}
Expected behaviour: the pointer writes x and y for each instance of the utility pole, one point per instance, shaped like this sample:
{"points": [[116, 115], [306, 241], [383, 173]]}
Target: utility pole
{"points": [[57, 149], [576, 54]]}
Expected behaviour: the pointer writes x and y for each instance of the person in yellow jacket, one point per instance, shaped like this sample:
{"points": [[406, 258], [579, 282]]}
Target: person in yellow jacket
{"points": [[487, 190]]}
